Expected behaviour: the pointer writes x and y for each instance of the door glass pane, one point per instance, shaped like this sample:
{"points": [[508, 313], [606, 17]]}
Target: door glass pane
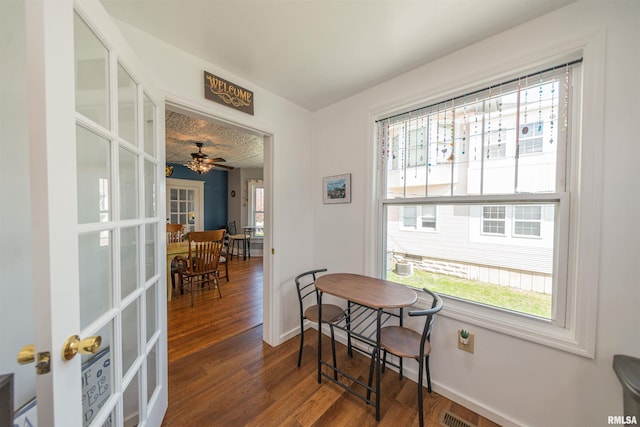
{"points": [[131, 403], [149, 113], [127, 92], [151, 311], [152, 371], [94, 193], [130, 329], [95, 261], [97, 377], [149, 189], [128, 260], [128, 168], [92, 74], [150, 250]]}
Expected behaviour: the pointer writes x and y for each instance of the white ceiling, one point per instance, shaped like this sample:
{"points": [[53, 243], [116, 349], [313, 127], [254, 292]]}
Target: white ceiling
{"points": [[317, 52]]}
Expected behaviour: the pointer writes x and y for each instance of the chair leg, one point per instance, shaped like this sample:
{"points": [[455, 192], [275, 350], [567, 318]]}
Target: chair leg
{"points": [[426, 362], [217, 283], [373, 356], [420, 369], [349, 346], [301, 341], [333, 350], [191, 289], [226, 271]]}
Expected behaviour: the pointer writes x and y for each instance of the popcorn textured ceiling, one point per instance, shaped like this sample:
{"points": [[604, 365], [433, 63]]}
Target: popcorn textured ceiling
{"points": [[239, 149]]}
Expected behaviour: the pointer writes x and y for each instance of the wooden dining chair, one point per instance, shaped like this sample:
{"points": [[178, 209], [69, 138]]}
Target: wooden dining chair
{"points": [[236, 239], [200, 269], [309, 310], [224, 255], [174, 234], [405, 342]]}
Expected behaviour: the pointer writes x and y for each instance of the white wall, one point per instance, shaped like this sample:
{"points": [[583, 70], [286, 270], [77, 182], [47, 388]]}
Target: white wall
{"points": [[181, 76], [513, 381]]}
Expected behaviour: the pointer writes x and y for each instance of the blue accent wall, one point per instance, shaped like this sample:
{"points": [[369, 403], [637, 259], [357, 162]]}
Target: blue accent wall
{"points": [[215, 194]]}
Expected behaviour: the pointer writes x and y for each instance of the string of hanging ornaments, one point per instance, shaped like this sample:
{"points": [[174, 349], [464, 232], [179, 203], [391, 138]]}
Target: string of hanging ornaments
{"points": [[497, 116]]}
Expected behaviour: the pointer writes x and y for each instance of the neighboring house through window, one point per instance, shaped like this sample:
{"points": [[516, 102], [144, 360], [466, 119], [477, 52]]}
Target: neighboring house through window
{"points": [[419, 217]]}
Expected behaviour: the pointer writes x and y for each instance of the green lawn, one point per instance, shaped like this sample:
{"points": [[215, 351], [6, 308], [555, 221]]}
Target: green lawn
{"points": [[533, 303]]}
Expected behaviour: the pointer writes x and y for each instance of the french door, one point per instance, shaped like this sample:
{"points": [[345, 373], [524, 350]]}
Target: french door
{"points": [[95, 132], [185, 203]]}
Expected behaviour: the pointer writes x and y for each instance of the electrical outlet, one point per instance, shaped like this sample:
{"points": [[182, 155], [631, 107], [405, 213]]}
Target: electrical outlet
{"points": [[469, 344]]}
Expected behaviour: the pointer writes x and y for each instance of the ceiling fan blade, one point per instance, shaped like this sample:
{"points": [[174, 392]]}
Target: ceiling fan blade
{"points": [[223, 166], [216, 160]]}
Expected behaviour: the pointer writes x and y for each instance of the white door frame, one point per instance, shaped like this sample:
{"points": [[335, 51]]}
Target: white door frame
{"points": [[270, 328]]}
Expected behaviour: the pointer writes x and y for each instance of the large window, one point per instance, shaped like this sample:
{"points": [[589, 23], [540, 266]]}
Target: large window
{"points": [[495, 165], [256, 207]]}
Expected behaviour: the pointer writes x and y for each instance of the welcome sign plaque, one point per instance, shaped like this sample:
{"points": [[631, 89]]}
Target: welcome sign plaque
{"points": [[224, 92]]}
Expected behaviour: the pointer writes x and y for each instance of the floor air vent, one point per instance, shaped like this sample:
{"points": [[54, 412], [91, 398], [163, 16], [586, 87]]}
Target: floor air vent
{"points": [[447, 419]]}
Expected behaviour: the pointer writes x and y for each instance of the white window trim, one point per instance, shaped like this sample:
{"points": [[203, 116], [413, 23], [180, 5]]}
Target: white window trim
{"points": [[578, 336], [418, 227], [252, 184], [526, 236], [504, 221]]}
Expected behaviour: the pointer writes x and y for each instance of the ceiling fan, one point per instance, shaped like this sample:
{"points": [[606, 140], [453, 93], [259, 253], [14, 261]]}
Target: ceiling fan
{"points": [[201, 163]]}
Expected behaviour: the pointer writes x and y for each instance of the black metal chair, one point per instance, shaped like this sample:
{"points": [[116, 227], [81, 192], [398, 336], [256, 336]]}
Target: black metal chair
{"points": [[405, 342], [236, 239], [308, 299]]}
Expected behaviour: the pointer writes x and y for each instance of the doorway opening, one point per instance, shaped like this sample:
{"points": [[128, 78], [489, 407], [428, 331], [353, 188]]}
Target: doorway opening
{"points": [[232, 145]]}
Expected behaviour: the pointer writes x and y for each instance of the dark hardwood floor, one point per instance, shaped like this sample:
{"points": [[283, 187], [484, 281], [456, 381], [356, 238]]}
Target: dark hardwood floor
{"points": [[221, 373]]}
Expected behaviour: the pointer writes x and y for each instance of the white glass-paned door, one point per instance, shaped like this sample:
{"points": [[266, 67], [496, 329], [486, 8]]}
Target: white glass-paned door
{"points": [[185, 203], [119, 235], [97, 220]]}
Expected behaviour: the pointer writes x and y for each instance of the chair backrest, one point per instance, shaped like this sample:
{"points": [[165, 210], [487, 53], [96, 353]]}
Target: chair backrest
{"points": [[205, 248], [174, 233], [232, 228], [306, 286], [436, 306]]}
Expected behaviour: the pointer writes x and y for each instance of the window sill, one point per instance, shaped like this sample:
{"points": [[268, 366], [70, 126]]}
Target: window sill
{"points": [[529, 328]]}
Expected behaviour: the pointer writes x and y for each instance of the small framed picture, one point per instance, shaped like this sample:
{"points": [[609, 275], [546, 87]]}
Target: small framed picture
{"points": [[336, 189]]}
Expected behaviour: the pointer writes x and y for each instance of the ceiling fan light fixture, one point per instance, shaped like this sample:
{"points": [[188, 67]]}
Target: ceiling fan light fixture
{"points": [[197, 162], [197, 165]]}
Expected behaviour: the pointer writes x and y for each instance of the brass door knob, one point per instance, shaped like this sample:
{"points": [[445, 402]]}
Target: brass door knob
{"points": [[27, 354], [75, 345]]}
